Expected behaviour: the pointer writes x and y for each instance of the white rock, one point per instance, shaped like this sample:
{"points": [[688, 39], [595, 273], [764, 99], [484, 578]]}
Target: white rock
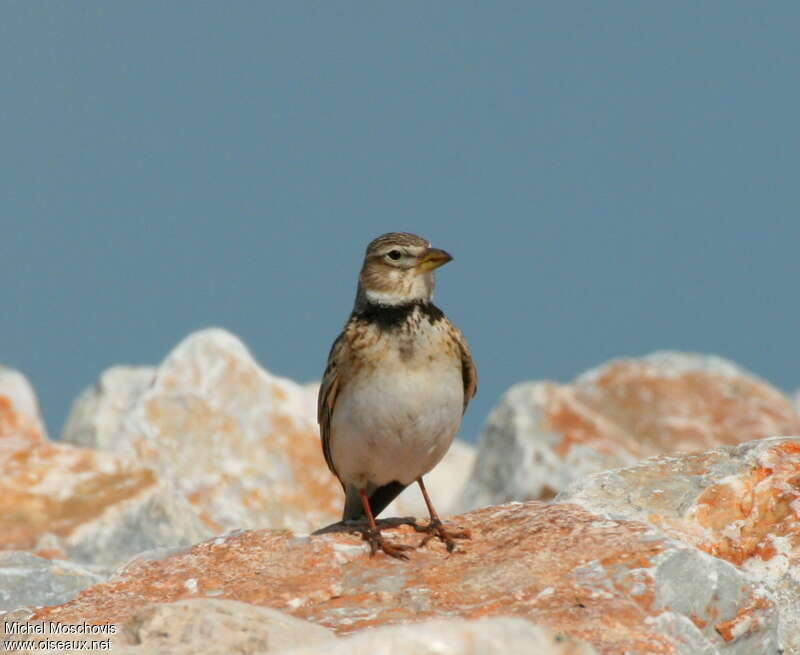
{"points": [[238, 443], [158, 518], [27, 580], [217, 626], [543, 435], [492, 636], [20, 396], [740, 503], [210, 626], [97, 413], [517, 457]]}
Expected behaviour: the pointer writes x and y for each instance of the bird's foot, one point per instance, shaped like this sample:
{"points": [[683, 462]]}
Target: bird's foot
{"points": [[437, 529], [377, 542]]}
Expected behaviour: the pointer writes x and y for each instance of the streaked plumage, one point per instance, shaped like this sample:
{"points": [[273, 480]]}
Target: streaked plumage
{"points": [[398, 380]]}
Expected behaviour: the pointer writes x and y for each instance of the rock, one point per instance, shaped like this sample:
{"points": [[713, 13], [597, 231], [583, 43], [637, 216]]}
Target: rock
{"points": [[543, 435], [65, 502], [205, 443], [158, 518], [491, 636], [239, 444], [214, 626], [27, 580], [98, 412], [19, 410], [263, 456], [207, 625], [78, 503], [741, 504], [48, 491], [444, 483], [622, 586]]}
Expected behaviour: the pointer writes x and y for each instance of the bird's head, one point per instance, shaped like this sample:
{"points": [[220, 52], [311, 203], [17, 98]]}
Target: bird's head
{"points": [[398, 269]]}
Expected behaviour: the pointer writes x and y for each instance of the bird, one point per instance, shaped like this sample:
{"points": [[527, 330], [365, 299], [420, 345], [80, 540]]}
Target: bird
{"points": [[398, 380]]}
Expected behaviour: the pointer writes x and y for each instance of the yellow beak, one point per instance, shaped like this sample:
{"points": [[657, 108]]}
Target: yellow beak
{"points": [[433, 258]]}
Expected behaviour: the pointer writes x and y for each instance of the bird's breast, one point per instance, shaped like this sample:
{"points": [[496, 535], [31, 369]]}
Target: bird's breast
{"points": [[400, 408], [415, 345]]}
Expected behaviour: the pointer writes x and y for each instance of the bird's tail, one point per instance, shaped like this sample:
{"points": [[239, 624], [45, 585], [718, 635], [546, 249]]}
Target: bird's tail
{"points": [[379, 498]]}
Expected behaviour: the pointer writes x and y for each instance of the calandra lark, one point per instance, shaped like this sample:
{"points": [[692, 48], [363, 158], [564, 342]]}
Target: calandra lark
{"points": [[398, 380]]}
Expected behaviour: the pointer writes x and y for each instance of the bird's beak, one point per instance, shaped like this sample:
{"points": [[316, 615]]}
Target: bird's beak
{"points": [[433, 258]]}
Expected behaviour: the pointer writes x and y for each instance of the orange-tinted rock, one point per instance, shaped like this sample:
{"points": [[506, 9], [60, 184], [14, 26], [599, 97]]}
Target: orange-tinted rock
{"points": [[240, 444], [20, 418], [205, 443], [52, 488], [60, 501], [741, 504], [620, 585], [48, 488], [543, 435]]}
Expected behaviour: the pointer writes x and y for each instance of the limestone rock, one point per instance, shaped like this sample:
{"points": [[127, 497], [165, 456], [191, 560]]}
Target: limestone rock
{"points": [[48, 491], [98, 412], [490, 636], [51, 488], [60, 501], [65, 502], [543, 435], [201, 625], [622, 586], [19, 410], [214, 626], [158, 518], [207, 442], [27, 580], [741, 504], [240, 444]]}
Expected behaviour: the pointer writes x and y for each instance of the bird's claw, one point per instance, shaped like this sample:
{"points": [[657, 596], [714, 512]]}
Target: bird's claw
{"points": [[437, 529], [377, 542]]}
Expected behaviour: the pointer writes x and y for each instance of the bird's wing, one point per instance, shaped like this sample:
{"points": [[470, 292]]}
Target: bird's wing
{"points": [[328, 390], [469, 374]]}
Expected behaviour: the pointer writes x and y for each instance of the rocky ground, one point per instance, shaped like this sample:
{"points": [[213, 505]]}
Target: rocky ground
{"points": [[651, 506]]}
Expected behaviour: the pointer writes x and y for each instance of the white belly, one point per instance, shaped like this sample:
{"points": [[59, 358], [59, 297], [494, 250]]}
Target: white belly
{"points": [[396, 423]]}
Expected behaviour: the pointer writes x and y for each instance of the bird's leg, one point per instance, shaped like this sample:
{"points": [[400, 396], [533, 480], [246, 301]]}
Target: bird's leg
{"points": [[373, 534], [436, 528]]}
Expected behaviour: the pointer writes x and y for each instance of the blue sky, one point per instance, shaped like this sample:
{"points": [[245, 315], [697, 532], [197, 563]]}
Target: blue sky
{"points": [[612, 179]]}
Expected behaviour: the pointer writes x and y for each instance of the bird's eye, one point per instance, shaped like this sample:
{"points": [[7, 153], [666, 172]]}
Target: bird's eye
{"points": [[395, 254]]}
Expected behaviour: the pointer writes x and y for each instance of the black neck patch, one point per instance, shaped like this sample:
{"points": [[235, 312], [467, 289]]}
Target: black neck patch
{"points": [[388, 317]]}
